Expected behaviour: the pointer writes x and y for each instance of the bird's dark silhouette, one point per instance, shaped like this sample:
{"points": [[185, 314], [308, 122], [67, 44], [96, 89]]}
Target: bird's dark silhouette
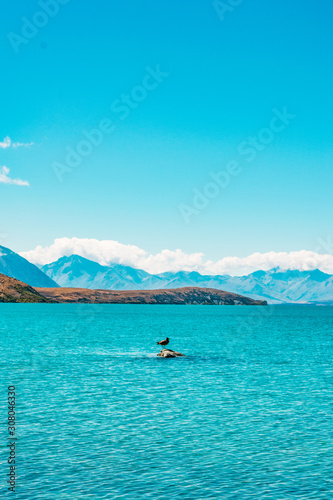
{"points": [[163, 342]]}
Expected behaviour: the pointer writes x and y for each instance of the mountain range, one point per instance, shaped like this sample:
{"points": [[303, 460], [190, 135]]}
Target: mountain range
{"points": [[276, 286]]}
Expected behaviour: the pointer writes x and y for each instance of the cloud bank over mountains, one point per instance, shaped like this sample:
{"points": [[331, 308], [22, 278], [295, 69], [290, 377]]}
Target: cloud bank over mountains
{"points": [[108, 251]]}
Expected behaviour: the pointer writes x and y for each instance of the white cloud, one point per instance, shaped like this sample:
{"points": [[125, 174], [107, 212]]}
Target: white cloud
{"points": [[109, 251], [8, 143], [5, 179], [22, 144]]}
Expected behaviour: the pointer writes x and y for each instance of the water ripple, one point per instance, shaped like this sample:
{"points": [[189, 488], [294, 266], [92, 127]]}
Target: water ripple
{"points": [[246, 415]]}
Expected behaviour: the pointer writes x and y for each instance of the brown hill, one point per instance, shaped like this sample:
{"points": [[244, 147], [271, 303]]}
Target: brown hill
{"points": [[12, 290], [187, 295]]}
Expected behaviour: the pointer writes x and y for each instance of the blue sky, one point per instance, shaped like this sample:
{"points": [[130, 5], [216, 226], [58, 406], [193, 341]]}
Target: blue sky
{"points": [[225, 78]]}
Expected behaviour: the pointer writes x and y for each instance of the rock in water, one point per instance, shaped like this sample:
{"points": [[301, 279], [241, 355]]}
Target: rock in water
{"points": [[168, 353]]}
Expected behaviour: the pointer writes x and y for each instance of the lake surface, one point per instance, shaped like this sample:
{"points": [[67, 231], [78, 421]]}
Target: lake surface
{"points": [[247, 414]]}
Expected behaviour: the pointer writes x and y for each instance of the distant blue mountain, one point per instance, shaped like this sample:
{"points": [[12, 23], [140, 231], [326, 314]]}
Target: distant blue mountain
{"points": [[15, 266], [78, 272], [276, 286]]}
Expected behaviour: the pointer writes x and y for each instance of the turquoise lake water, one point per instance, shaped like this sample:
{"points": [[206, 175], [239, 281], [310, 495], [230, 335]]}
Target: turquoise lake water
{"points": [[247, 414]]}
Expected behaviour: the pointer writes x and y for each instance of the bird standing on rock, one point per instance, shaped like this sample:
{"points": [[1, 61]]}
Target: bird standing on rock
{"points": [[163, 342]]}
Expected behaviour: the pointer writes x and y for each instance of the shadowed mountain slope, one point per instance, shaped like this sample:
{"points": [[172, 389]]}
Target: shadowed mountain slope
{"points": [[15, 266]]}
